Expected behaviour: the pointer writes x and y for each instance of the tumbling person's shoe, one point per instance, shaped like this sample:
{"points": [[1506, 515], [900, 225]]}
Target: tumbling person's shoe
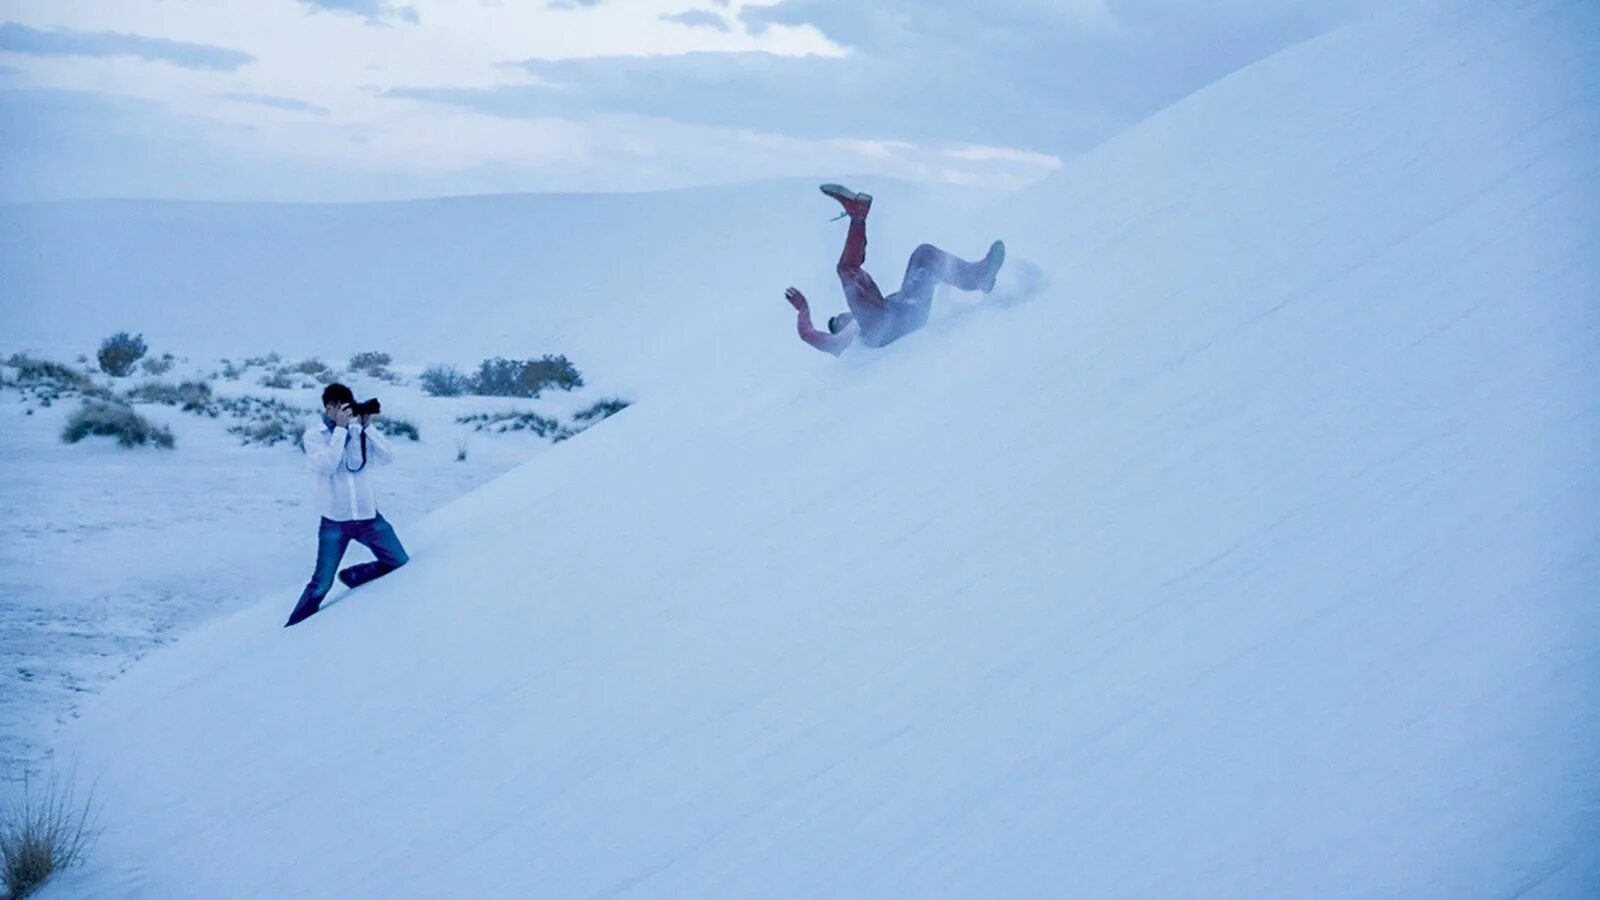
{"points": [[855, 205], [344, 577], [992, 264]]}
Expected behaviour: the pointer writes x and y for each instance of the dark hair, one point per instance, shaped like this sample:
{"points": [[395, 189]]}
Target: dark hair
{"points": [[337, 393]]}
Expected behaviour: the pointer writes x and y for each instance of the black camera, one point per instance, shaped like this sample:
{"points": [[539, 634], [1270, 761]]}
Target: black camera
{"points": [[365, 408]]}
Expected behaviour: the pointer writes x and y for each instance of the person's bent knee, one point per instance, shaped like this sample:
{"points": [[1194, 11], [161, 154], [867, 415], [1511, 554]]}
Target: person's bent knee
{"points": [[322, 576], [854, 280]]}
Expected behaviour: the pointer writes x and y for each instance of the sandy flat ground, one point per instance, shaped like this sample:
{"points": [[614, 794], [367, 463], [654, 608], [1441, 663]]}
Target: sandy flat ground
{"points": [[107, 552]]}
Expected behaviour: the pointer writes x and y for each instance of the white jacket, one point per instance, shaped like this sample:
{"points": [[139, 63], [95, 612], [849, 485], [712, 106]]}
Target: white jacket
{"points": [[343, 486]]}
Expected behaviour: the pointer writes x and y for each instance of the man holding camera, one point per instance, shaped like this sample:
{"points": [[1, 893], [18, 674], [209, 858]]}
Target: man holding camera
{"points": [[338, 450]]}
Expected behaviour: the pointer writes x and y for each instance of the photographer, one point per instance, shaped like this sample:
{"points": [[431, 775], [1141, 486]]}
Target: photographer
{"points": [[339, 450]]}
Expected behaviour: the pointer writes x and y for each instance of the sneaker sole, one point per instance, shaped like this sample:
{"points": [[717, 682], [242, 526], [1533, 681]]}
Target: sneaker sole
{"points": [[840, 192]]}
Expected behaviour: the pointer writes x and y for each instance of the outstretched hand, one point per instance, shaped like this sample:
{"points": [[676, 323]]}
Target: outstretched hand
{"points": [[796, 299]]}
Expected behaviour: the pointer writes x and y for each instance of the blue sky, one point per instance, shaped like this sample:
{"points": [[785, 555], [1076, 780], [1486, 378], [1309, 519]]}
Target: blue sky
{"points": [[381, 99]]}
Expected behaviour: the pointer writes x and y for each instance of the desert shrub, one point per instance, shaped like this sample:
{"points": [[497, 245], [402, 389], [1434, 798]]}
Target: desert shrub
{"points": [[603, 409], [397, 427], [517, 420], [374, 364], [31, 368], [263, 420], [369, 359], [266, 432], [191, 396], [561, 372], [116, 420], [445, 381], [194, 396], [461, 449], [49, 380], [41, 834], [500, 377], [159, 365], [278, 378], [153, 392], [314, 367], [271, 359], [231, 370], [119, 352]]}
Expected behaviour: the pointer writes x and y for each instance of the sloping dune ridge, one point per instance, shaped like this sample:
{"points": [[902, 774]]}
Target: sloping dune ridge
{"points": [[1242, 544]]}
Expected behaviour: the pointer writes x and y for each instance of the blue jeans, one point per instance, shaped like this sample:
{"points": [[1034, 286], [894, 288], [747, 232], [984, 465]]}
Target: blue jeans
{"points": [[332, 539]]}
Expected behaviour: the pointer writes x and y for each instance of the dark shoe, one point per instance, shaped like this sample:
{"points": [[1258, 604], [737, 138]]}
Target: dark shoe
{"points": [[855, 205], [344, 577], [300, 615], [992, 264]]}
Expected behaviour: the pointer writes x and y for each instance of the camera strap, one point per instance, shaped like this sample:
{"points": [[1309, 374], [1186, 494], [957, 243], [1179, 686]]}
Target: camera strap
{"points": [[363, 455]]}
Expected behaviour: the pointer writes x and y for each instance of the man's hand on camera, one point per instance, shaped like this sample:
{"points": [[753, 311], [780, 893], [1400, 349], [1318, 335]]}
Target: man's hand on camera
{"points": [[341, 416]]}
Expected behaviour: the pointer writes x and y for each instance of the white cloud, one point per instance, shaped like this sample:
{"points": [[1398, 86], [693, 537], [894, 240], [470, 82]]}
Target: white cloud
{"points": [[873, 149], [995, 94], [977, 153]]}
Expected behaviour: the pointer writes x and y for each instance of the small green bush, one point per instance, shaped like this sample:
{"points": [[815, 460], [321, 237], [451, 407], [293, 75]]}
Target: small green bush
{"points": [[33, 369], [397, 427], [369, 359], [374, 364], [116, 420], [119, 352], [445, 381], [500, 377], [159, 365], [263, 420], [265, 432], [271, 359], [48, 380], [278, 378], [603, 409], [517, 420], [191, 396]]}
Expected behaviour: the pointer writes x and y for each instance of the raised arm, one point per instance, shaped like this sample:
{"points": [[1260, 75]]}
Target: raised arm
{"points": [[822, 340], [324, 451], [379, 450]]}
